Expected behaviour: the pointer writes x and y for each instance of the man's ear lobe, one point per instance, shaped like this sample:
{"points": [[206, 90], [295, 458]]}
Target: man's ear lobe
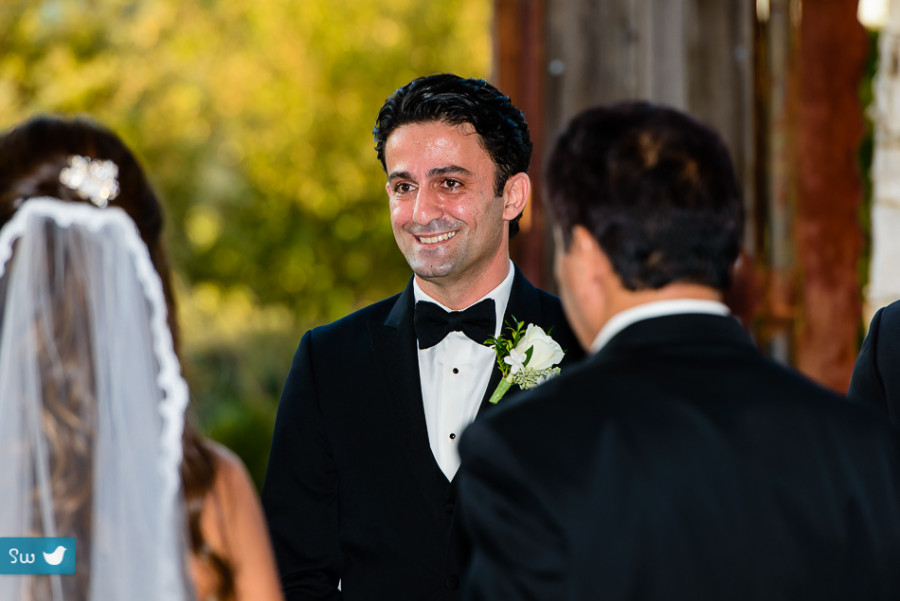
{"points": [[516, 193]]}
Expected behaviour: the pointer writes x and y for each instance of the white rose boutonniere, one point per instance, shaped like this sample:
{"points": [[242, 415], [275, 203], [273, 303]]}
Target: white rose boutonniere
{"points": [[528, 357]]}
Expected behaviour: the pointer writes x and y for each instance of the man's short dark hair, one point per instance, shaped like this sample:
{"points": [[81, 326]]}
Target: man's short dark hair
{"points": [[656, 188], [453, 100]]}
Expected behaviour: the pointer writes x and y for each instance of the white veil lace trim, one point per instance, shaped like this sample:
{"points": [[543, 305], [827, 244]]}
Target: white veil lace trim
{"points": [[137, 536]]}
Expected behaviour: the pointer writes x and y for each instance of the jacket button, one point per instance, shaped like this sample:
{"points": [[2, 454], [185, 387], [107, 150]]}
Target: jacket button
{"points": [[452, 583], [449, 507]]}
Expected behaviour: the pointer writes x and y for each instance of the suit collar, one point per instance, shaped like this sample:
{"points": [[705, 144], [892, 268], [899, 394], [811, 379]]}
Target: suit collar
{"points": [[402, 310], [524, 305], [671, 332], [401, 363], [395, 352], [394, 345], [396, 357], [660, 308]]}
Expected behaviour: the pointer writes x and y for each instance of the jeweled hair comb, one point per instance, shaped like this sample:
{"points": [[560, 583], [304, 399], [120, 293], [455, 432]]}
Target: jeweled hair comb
{"points": [[94, 180]]}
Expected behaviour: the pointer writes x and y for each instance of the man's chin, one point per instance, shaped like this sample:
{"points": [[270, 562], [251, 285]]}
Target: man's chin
{"points": [[431, 271], [432, 274]]}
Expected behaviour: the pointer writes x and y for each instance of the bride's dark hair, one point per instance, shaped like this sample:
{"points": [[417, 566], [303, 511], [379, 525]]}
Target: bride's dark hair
{"points": [[31, 158]]}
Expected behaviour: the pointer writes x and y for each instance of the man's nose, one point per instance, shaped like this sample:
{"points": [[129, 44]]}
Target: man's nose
{"points": [[427, 207]]}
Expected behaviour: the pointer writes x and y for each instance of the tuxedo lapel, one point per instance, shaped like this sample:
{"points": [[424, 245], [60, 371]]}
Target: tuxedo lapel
{"points": [[524, 305], [396, 356]]}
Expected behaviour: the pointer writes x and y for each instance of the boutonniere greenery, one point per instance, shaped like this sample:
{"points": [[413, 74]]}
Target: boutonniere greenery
{"points": [[526, 357]]}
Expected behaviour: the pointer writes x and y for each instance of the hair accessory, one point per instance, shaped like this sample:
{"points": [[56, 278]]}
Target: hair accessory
{"points": [[92, 180]]}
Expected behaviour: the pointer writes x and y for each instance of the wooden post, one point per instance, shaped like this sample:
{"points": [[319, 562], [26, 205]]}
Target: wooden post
{"points": [[773, 249], [832, 54], [519, 66]]}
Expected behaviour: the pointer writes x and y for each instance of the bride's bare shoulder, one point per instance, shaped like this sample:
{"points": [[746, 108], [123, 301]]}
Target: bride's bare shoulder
{"points": [[231, 473], [245, 540]]}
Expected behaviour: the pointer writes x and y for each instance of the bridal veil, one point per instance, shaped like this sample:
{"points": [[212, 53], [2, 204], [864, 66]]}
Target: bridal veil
{"points": [[91, 406]]}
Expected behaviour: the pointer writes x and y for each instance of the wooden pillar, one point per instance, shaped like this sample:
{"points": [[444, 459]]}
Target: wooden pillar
{"points": [[519, 66], [832, 54], [772, 246]]}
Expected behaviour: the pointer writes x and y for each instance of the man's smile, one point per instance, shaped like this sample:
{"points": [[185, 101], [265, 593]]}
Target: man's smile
{"points": [[437, 238]]}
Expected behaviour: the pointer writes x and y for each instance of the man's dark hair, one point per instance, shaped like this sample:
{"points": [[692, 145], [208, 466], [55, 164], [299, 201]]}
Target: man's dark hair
{"points": [[453, 100], [656, 188]]}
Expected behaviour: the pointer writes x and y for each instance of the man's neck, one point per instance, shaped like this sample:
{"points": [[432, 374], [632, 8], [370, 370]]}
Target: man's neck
{"points": [[627, 299], [670, 300], [464, 292]]}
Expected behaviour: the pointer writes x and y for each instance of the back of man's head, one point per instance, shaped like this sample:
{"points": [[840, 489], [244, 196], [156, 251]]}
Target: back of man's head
{"points": [[655, 188]]}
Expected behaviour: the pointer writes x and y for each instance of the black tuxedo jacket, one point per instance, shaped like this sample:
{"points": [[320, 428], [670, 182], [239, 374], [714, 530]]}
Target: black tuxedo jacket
{"points": [[353, 491], [679, 464], [876, 375]]}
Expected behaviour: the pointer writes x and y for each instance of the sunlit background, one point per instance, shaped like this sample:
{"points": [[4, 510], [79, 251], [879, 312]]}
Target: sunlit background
{"points": [[254, 123], [254, 120]]}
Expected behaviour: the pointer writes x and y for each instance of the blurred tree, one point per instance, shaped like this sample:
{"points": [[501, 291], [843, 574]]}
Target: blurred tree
{"points": [[254, 121]]}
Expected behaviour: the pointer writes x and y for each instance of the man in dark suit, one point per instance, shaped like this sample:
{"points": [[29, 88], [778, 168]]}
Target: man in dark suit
{"points": [[676, 462], [360, 486], [876, 375]]}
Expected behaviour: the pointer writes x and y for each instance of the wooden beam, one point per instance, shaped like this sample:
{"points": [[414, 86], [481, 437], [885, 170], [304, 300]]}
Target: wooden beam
{"points": [[519, 67]]}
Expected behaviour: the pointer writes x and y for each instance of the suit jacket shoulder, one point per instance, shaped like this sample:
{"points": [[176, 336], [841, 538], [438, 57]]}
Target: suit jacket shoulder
{"points": [[680, 432], [334, 336]]}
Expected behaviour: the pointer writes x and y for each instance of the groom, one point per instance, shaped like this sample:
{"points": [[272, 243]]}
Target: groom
{"points": [[361, 486]]}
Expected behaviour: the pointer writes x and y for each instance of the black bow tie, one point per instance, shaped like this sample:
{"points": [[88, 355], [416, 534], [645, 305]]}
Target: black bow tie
{"points": [[433, 323]]}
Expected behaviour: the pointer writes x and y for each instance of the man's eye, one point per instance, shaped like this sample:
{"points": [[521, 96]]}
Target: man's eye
{"points": [[402, 188], [452, 184]]}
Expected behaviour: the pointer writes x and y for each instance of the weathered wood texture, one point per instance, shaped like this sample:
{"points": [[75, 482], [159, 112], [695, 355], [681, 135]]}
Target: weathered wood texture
{"points": [[832, 54], [690, 54], [519, 39], [782, 92]]}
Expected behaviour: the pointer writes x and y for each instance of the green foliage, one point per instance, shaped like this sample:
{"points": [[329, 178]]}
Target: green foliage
{"points": [[253, 120], [865, 156], [503, 345]]}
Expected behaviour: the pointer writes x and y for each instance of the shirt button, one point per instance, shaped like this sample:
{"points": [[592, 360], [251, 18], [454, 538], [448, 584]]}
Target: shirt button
{"points": [[455, 370], [452, 436]]}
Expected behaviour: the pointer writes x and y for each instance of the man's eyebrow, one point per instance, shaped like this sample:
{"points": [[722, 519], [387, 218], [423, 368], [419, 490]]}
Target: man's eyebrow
{"points": [[434, 172], [448, 170], [399, 175]]}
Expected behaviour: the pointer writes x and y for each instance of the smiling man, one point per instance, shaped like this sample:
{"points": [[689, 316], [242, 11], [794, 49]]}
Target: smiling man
{"points": [[361, 486]]}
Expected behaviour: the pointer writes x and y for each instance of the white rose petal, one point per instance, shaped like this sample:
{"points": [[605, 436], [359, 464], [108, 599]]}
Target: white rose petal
{"points": [[547, 351]]}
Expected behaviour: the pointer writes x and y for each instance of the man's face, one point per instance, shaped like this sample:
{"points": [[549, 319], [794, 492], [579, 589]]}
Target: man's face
{"points": [[446, 219]]}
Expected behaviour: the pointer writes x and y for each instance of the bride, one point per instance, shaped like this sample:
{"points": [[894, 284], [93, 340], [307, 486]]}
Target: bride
{"points": [[92, 400]]}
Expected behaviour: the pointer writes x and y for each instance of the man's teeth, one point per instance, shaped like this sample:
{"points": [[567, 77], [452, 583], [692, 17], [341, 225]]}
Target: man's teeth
{"points": [[438, 238]]}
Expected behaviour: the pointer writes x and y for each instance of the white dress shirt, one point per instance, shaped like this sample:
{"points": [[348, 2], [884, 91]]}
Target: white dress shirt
{"points": [[455, 374], [623, 319]]}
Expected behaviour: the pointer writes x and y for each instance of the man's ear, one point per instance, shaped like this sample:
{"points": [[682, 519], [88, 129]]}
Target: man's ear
{"points": [[585, 247], [583, 242], [515, 195]]}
